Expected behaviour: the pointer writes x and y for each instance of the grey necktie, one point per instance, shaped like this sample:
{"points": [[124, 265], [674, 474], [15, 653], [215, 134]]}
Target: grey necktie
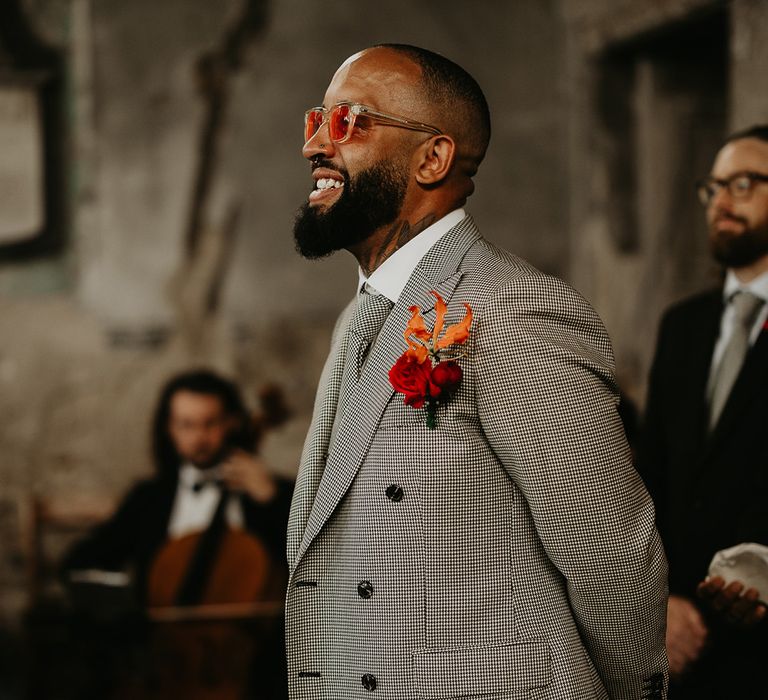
{"points": [[371, 312], [745, 306]]}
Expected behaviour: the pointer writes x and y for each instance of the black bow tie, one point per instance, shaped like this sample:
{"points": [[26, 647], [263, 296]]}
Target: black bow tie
{"points": [[202, 482]]}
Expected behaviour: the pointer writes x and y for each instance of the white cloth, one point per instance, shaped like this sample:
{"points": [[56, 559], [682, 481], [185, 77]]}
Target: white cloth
{"points": [[747, 563], [758, 287], [393, 274], [195, 503]]}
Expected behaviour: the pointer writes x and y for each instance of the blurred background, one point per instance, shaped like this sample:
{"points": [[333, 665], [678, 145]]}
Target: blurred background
{"points": [[150, 169]]}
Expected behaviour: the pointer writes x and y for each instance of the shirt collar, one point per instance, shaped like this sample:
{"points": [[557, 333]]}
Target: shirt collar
{"points": [[393, 274], [190, 475], [758, 286]]}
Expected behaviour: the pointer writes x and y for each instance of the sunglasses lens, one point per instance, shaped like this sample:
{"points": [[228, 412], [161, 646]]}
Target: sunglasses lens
{"points": [[312, 123], [341, 116]]}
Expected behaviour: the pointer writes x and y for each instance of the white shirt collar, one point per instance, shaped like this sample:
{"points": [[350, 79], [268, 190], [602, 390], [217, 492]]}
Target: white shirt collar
{"points": [[393, 274], [193, 477], [758, 286], [190, 475], [197, 498]]}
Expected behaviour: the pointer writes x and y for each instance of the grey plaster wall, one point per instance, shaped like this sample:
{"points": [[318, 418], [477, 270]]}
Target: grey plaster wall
{"points": [[749, 60], [88, 336]]}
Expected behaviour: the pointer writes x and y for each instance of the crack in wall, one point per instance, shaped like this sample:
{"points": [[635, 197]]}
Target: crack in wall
{"points": [[208, 245]]}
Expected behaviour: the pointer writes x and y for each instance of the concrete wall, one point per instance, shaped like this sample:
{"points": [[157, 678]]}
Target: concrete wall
{"points": [[87, 336]]}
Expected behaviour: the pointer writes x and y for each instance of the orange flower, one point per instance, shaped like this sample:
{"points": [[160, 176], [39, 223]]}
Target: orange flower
{"points": [[457, 333], [422, 343], [416, 328], [440, 311]]}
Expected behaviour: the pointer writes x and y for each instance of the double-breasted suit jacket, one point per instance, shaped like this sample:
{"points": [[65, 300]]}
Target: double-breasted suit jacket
{"points": [[509, 553], [710, 487]]}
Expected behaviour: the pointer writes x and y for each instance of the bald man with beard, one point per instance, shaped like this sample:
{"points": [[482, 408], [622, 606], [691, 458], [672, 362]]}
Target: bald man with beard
{"points": [[492, 540]]}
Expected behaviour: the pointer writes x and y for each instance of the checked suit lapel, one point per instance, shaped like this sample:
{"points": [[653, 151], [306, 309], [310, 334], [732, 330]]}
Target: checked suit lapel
{"points": [[313, 457], [437, 271]]}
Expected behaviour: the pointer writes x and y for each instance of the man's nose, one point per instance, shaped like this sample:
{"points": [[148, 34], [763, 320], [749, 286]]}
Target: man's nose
{"points": [[721, 201], [319, 144]]}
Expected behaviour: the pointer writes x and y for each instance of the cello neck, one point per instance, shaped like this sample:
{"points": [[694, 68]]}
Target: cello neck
{"points": [[190, 591]]}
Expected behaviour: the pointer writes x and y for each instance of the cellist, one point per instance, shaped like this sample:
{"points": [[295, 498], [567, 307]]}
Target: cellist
{"points": [[203, 445]]}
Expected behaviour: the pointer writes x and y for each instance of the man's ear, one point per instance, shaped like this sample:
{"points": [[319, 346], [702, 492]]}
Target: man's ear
{"points": [[437, 157]]}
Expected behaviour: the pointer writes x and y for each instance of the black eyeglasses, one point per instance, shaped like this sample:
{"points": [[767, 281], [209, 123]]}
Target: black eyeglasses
{"points": [[739, 186]]}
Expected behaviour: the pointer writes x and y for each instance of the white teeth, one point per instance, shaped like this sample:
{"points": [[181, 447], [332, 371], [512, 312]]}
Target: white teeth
{"points": [[327, 183]]}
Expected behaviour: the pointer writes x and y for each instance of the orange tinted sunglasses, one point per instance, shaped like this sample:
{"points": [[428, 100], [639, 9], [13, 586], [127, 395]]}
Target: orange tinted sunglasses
{"points": [[341, 121]]}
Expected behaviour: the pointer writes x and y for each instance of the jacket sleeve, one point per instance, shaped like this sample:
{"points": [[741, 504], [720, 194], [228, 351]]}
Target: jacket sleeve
{"points": [[270, 520], [116, 543], [547, 403]]}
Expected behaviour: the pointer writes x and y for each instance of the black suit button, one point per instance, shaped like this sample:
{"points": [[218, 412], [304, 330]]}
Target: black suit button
{"points": [[369, 681], [395, 493], [365, 589], [654, 687]]}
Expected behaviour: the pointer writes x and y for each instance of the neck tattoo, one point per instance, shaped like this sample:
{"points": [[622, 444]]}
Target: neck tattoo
{"points": [[396, 237]]}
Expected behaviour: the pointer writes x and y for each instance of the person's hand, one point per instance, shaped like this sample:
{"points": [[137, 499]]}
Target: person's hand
{"points": [[686, 634], [245, 472], [732, 601]]}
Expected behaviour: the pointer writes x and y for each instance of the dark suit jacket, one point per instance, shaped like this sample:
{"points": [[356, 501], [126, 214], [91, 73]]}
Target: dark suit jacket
{"points": [[711, 490], [133, 535]]}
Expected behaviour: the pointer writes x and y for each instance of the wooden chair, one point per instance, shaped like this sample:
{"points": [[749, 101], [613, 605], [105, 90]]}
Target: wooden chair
{"points": [[50, 525]]}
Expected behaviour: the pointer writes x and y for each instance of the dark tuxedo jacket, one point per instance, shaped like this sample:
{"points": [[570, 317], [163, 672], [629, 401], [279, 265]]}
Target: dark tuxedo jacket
{"points": [[134, 534], [711, 489]]}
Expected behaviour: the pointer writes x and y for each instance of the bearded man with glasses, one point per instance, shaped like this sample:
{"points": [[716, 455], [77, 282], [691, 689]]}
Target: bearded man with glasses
{"points": [[488, 536], [705, 453]]}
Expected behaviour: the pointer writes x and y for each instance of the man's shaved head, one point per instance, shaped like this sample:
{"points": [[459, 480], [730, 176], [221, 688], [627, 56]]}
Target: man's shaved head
{"points": [[380, 186], [451, 99]]}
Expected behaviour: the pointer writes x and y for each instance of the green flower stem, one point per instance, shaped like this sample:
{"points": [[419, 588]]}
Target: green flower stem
{"points": [[431, 414]]}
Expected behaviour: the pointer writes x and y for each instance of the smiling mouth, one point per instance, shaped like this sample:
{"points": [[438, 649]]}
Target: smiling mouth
{"points": [[325, 187], [728, 225]]}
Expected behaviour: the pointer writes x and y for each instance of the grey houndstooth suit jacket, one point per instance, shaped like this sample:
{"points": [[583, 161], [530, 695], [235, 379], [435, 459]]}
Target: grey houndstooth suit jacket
{"points": [[509, 553]]}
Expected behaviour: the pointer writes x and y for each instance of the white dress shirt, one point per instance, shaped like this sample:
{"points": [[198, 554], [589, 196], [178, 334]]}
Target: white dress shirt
{"points": [[393, 274], [195, 503]]}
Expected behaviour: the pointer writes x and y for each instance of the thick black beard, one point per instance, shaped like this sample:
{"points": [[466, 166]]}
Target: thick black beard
{"points": [[370, 201], [739, 250]]}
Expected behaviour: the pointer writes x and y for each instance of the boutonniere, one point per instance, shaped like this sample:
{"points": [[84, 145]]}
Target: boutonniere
{"points": [[427, 372]]}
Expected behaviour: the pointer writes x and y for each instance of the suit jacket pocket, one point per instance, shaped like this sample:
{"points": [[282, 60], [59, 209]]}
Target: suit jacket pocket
{"points": [[475, 671]]}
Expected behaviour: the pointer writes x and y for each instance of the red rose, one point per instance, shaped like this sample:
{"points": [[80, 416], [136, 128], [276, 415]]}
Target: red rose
{"points": [[414, 379], [447, 375]]}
